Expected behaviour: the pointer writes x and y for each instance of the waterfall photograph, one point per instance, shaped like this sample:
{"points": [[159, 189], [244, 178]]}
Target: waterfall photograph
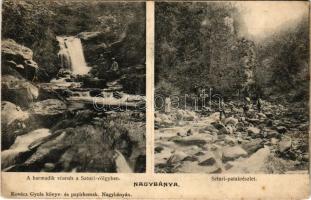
{"points": [[73, 86], [232, 87]]}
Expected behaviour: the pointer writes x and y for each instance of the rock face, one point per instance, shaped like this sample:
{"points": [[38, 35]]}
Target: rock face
{"points": [[13, 121], [18, 91], [19, 58], [47, 112]]}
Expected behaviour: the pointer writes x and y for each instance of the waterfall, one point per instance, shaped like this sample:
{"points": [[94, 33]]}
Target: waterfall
{"points": [[121, 163], [71, 55]]}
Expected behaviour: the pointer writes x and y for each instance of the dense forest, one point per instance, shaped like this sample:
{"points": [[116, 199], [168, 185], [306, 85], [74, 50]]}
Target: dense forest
{"points": [[199, 45]]}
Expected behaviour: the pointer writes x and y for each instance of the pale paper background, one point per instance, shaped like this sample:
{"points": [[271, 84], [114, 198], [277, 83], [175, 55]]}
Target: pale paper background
{"points": [[197, 186]]}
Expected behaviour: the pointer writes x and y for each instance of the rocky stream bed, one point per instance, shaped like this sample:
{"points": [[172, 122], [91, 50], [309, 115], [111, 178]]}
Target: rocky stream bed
{"points": [[272, 141]]}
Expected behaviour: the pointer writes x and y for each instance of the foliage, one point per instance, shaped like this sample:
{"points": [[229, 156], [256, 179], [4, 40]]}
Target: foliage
{"points": [[284, 61], [197, 46]]}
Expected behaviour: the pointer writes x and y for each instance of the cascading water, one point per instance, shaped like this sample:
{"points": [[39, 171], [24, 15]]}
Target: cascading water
{"points": [[71, 55]]}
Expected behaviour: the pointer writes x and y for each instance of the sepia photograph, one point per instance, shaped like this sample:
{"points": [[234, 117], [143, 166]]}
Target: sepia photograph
{"points": [[232, 87], [73, 86]]}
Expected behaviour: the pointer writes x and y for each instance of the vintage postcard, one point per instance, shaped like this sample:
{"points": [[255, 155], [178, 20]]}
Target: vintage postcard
{"points": [[155, 99]]}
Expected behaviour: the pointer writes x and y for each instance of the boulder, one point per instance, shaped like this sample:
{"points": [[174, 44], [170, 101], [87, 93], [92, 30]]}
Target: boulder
{"points": [[268, 133], [19, 58], [253, 132], [230, 140], [218, 125], [191, 140], [231, 121], [18, 91], [256, 163], [285, 144], [232, 153], [281, 129], [211, 129], [207, 159], [177, 156], [13, 123], [252, 146], [48, 112]]}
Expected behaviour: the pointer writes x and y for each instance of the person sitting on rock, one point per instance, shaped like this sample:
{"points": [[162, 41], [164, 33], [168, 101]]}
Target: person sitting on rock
{"points": [[246, 105], [258, 104], [222, 109], [114, 65]]}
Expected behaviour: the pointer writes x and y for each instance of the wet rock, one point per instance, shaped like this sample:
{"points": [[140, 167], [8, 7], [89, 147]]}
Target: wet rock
{"points": [[50, 149], [18, 91], [232, 153], [17, 152], [23, 142]]}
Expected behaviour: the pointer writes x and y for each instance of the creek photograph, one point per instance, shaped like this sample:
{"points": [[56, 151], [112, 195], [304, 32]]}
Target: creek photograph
{"points": [[232, 87], [73, 86]]}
